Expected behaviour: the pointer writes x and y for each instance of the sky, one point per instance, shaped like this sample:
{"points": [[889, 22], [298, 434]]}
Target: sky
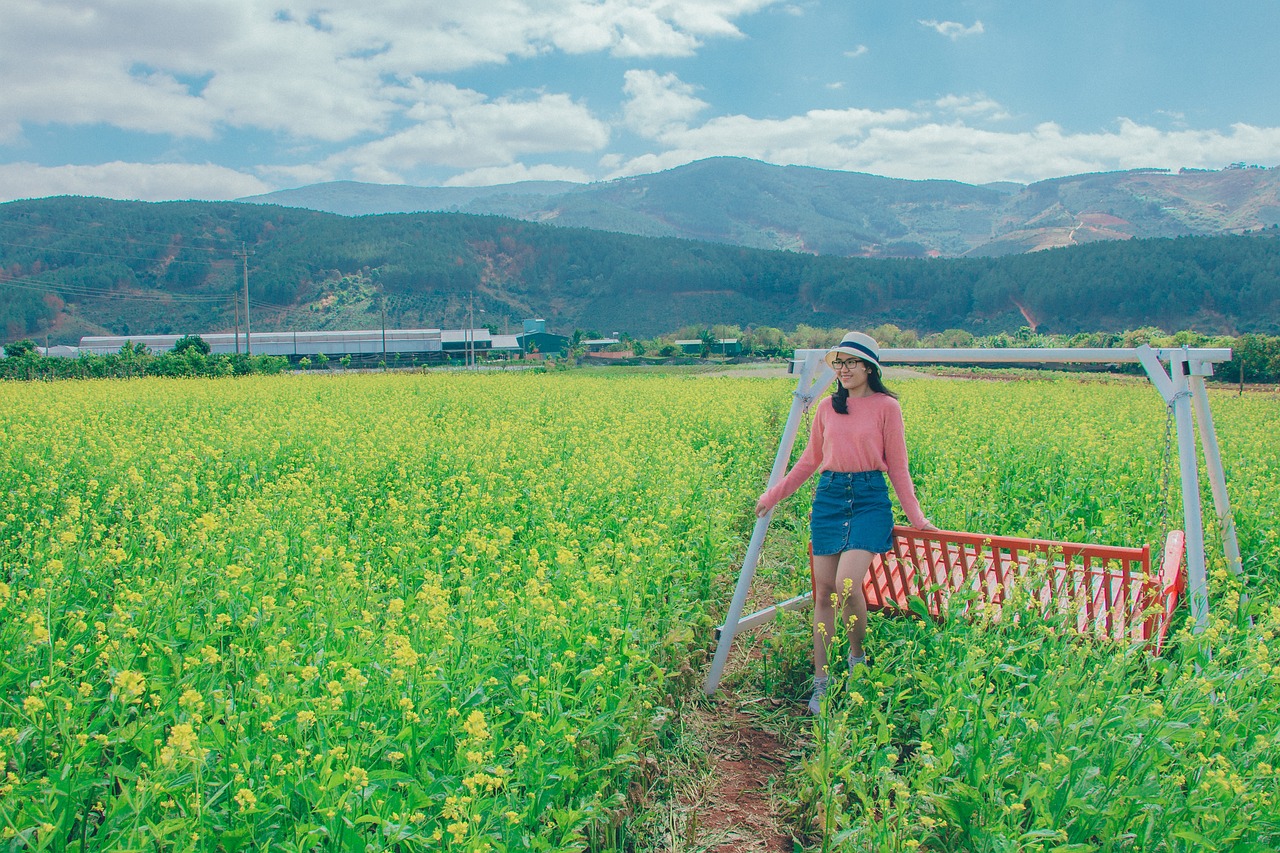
{"points": [[220, 99]]}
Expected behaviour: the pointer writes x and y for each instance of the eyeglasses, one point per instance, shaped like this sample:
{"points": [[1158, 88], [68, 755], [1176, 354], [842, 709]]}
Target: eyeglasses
{"points": [[851, 363]]}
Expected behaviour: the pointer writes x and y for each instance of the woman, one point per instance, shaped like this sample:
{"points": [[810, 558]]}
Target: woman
{"points": [[857, 437]]}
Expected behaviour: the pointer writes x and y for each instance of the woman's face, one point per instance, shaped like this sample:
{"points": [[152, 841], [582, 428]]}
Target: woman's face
{"points": [[852, 372]]}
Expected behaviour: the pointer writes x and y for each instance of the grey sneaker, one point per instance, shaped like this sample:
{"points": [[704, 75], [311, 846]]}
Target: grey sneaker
{"points": [[859, 660], [819, 690]]}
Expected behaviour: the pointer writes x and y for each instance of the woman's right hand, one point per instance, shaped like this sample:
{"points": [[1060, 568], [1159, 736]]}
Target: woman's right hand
{"points": [[762, 509]]}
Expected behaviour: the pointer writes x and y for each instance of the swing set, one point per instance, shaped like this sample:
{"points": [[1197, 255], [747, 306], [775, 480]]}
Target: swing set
{"points": [[1111, 590]]}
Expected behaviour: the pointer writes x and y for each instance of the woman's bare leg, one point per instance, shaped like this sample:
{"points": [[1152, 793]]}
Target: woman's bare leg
{"points": [[851, 571], [824, 612]]}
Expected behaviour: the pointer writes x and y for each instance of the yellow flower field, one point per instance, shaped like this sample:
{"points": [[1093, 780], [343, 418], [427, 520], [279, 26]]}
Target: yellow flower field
{"points": [[453, 611]]}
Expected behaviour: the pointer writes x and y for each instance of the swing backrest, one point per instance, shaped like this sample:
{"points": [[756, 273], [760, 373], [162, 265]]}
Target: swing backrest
{"points": [[1111, 590]]}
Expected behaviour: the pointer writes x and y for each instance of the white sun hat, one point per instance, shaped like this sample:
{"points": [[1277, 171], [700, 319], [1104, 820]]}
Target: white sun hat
{"points": [[857, 345]]}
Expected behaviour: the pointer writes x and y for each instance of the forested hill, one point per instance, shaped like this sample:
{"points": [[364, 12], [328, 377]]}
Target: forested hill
{"points": [[74, 266], [830, 212]]}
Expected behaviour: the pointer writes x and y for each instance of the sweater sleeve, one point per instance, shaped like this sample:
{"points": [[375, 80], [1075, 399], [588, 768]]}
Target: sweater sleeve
{"points": [[895, 457], [808, 462]]}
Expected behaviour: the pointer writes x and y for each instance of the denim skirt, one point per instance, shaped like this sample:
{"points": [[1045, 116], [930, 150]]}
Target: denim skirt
{"points": [[851, 511]]}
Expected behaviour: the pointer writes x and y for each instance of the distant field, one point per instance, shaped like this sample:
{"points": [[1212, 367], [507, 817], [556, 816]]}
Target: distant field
{"points": [[460, 611]]}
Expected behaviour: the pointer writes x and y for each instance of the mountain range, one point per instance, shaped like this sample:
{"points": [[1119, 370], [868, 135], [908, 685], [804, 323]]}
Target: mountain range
{"points": [[818, 211], [73, 266]]}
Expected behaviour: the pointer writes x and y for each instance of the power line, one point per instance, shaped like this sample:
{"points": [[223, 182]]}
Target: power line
{"points": [[58, 250], [280, 309], [88, 291]]}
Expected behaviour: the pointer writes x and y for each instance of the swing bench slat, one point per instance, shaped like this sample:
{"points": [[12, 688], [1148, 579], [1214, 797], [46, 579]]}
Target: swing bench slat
{"points": [[1111, 589]]}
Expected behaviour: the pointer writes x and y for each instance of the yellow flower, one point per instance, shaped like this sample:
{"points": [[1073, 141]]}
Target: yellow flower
{"points": [[245, 799], [476, 727], [129, 686], [33, 705], [357, 777], [182, 737]]}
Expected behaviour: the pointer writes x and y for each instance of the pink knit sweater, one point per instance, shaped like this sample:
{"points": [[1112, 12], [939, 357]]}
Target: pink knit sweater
{"points": [[870, 438]]}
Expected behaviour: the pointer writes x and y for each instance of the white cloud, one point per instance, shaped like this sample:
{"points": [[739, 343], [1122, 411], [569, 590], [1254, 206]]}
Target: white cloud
{"points": [[971, 106], [815, 138], [463, 129], [133, 181], [327, 70], [954, 30], [916, 145], [304, 79], [492, 175], [656, 102]]}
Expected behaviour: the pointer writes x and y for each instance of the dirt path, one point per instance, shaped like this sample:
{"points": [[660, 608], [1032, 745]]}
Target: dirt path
{"points": [[735, 810]]}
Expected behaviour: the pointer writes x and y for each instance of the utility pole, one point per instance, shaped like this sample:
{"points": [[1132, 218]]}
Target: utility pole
{"points": [[471, 303], [248, 330], [383, 303], [235, 298]]}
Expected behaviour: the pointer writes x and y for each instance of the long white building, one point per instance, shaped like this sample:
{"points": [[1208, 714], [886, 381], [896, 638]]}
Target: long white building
{"points": [[333, 344]]}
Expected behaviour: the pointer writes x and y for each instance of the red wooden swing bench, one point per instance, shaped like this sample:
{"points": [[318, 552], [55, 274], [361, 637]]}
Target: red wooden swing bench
{"points": [[1111, 590]]}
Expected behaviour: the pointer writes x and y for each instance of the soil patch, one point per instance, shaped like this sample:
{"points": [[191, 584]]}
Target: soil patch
{"points": [[736, 810]]}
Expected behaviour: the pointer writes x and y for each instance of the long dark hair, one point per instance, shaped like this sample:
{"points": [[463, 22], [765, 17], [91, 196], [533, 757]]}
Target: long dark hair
{"points": [[840, 399]]}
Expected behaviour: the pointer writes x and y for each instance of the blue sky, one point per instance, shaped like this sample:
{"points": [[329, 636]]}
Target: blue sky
{"points": [[214, 99]]}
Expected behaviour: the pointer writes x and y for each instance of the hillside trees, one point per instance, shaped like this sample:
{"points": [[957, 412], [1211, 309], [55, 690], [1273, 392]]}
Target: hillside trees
{"points": [[110, 266]]}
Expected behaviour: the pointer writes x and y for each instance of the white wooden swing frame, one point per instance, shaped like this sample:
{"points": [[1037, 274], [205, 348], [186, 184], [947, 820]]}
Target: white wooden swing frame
{"points": [[1182, 387]]}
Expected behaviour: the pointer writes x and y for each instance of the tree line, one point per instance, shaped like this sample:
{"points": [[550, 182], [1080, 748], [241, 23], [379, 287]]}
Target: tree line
{"points": [[71, 266], [1255, 358]]}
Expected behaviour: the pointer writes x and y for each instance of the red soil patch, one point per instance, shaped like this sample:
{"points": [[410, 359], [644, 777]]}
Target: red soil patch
{"points": [[736, 813]]}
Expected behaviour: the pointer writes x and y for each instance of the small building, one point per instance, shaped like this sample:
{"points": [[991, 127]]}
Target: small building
{"points": [[600, 344], [606, 355], [459, 342], [718, 346], [544, 343], [508, 345]]}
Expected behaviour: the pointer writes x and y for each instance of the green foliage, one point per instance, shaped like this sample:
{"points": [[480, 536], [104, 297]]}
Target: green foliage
{"points": [[459, 626], [1016, 735], [1256, 358], [337, 272], [193, 343], [18, 349], [130, 363]]}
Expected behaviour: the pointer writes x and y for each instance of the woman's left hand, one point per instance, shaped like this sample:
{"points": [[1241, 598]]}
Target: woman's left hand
{"points": [[929, 526]]}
